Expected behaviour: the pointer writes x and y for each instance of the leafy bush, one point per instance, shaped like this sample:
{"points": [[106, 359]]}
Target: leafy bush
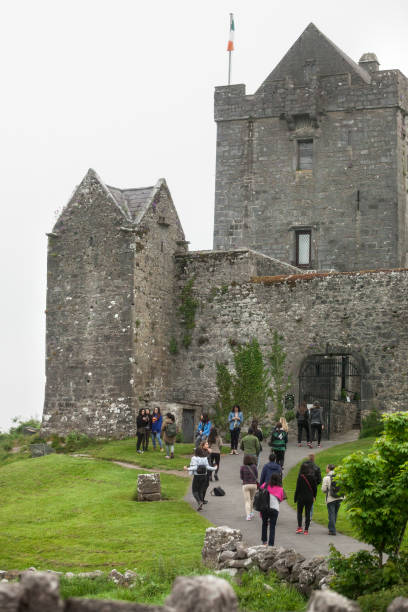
{"points": [[76, 440], [289, 415], [380, 600], [361, 574], [258, 591], [371, 425]]}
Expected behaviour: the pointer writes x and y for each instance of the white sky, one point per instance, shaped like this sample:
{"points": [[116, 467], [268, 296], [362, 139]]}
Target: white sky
{"points": [[126, 87]]}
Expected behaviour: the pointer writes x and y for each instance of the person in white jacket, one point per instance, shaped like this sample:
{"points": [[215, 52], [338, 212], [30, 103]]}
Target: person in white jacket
{"points": [[333, 502], [199, 467]]}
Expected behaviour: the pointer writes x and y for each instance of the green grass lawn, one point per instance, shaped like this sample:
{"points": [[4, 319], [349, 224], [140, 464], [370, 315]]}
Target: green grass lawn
{"points": [[76, 514], [125, 450], [331, 455]]}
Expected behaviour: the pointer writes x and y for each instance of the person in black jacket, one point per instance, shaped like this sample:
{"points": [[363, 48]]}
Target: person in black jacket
{"points": [[314, 471], [305, 495], [316, 422], [148, 429], [302, 417], [141, 421]]}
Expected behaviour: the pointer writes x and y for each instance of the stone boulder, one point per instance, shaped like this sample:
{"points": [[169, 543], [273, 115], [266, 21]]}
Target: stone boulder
{"points": [[41, 592], [218, 539], [329, 601], [148, 487], [41, 449], [10, 597], [400, 604], [201, 594]]}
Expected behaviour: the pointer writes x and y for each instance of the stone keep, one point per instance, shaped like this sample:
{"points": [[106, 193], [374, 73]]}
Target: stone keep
{"points": [[317, 158], [312, 168]]}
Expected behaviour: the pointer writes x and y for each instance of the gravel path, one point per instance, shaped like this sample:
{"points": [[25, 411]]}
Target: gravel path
{"points": [[229, 510]]}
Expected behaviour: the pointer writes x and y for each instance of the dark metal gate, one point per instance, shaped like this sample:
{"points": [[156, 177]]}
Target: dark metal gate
{"points": [[326, 378]]}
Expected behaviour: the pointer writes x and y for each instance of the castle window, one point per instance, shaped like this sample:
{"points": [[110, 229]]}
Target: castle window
{"points": [[303, 248], [305, 155]]}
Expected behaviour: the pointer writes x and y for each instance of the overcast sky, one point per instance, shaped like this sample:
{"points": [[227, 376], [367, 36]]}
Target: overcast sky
{"points": [[126, 87]]}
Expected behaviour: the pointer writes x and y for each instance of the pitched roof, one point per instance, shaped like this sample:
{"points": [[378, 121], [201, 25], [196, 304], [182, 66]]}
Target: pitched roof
{"points": [[133, 202], [313, 46]]}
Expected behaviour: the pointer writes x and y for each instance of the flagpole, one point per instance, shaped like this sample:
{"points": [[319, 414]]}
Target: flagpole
{"points": [[230, 49]]}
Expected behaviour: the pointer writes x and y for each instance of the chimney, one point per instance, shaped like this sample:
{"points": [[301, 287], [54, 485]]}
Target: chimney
{"points": [[369, 62]]}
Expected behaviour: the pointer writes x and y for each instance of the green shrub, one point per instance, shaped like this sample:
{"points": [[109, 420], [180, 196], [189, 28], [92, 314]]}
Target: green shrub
{"points": [[289, 415], [258, 591], [380, 600], [371, 425], [361, 574], [76, 440], [180, 437]]}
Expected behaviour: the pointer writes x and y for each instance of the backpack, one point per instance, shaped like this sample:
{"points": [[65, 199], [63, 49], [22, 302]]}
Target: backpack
{"points": [[261, 500], [171, 430], [201, 470], [334, 488], [218, 492]]}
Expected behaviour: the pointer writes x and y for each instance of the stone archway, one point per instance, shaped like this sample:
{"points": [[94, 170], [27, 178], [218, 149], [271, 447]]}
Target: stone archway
{"points": [[335, 381]]}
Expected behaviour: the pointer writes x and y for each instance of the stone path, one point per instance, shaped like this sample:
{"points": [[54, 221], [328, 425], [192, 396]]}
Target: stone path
{"points": [[229, 510]]}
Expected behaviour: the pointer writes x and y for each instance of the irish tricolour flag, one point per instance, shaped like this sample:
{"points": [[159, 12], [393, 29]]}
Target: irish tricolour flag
{"points": [[231, 34]]}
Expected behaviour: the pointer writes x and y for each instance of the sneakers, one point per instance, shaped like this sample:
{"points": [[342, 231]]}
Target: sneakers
{"points": [[310, 445], [167, 457], [205, 501], [318, 446], [249, 517], [200, 505], [140, 452], [171, 455], [299, 530], [232, 452], [305, 532]]}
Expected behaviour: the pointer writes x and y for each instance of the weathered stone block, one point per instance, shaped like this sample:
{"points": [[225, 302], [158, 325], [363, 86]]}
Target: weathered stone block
{"points": [[218, 539], [330, 601], [148, 487], [10, 597], [201, 594]]}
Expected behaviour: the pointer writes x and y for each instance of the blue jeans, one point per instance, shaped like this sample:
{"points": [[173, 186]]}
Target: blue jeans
{"points": [[156, 436], [332, 510]]}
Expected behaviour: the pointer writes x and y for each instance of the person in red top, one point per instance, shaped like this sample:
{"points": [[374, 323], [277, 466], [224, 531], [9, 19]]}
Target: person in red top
{"points": [[275, 490]]}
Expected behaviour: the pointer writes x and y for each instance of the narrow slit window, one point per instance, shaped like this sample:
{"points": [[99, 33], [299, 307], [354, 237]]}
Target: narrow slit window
{"points": [[303, 247], [305, 155]]}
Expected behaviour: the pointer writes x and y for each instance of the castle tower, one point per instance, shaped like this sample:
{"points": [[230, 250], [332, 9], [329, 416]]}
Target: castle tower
{"points": [[312, 168]]}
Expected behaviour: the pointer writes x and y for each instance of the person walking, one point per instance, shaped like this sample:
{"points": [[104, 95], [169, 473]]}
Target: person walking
{"points": [[215, 445], [203, 429], [206, 453], [148, 429], [249, 477], [235, 420], [141, 421], [157, 421], [169, 432], [199, 467], [333, 498], [303, 424], [278, 442], [305, 495], [270, 516], [316, 423], [313, 470], [258, 433], [272, 467], [251, 445]]}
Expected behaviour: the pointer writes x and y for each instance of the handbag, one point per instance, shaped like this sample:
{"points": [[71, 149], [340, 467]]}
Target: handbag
{"points": [[217, 491]]}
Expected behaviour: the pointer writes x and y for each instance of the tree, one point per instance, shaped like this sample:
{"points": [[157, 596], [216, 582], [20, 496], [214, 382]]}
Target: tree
{"points": [[224, 401], [281, 382], [247, 386], [251, 379], [376, 487]]}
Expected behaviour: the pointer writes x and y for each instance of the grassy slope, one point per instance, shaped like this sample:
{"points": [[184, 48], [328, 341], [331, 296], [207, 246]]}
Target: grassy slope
{"points": [[332, 455], [69, 513], [125, 450]]}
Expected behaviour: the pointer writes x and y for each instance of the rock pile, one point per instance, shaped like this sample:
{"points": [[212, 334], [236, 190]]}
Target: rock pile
{"points": [[223, 550], [148, 487]]}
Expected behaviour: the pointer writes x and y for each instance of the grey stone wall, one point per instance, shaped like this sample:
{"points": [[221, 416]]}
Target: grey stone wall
{"points": [[361, 314], [354, 200]]}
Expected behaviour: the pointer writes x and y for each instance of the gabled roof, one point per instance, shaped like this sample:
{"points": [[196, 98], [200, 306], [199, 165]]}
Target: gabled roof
{"points": [[313, 46], [133, 201]]}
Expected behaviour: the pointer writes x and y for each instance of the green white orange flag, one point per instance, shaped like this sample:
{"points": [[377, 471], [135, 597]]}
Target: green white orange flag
{"points": [[230, 46]]}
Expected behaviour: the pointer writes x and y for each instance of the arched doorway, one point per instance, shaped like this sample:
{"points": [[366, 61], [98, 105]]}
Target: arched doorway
{"points": [[330, 379]]}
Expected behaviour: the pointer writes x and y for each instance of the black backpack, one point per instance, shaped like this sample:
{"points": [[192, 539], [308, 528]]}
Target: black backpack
{"points": [[261, 500], [334, 488], [218, 492]]}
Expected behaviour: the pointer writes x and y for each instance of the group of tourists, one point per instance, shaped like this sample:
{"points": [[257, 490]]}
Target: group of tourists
{"points": [[310, 419], [154, 426]]}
